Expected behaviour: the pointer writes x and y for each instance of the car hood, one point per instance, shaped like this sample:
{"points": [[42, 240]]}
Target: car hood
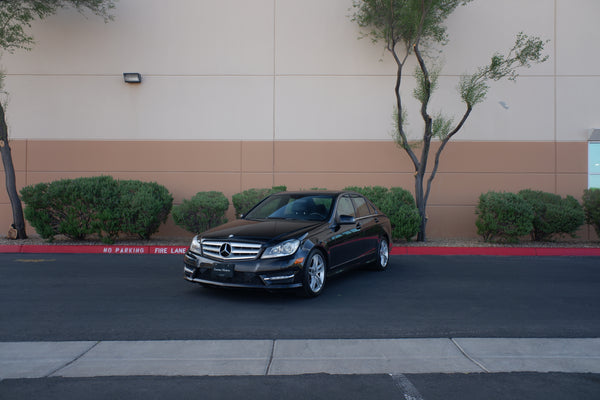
{"points": [[262, 231]]}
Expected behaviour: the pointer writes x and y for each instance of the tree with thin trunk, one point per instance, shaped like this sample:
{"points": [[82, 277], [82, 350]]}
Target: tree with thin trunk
{"points": [[16, 17], [415, 28]]}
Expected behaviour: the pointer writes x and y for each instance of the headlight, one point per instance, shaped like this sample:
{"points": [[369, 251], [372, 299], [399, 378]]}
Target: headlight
{"points": [[282, 249], [196, 246]]}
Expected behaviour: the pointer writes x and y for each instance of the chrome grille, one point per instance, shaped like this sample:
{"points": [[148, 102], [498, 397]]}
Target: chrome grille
{"points": [[227, 250]]}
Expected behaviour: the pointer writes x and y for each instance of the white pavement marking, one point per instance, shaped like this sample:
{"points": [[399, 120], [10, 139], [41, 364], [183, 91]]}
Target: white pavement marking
{"points": [[409, 390], [291, 357]]}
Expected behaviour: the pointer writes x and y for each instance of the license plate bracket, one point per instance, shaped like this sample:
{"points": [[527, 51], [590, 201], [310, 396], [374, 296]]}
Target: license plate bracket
{"points": [[223, 271]]}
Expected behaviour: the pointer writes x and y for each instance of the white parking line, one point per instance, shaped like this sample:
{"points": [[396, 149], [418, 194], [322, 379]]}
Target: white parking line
{"points": [[409, 391]]}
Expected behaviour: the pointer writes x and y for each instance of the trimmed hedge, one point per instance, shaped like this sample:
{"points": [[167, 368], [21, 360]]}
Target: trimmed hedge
{"points": [[591, 206], [144, 207], [553, 215], [244, 201], [101, 206], [203, 211], [398, 204], [504, 217], [508, 216]]}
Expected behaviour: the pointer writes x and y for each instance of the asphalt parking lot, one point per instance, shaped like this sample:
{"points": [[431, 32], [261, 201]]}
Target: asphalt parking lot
{"points": [[142, 297], [483, 324]]}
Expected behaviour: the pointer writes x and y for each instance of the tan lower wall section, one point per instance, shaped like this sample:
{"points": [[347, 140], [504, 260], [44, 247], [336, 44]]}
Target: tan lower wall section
{"points": [[467, 169]]}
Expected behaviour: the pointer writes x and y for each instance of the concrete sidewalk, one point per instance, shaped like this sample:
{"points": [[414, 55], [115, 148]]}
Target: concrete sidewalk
{"points": [[293, 357]]}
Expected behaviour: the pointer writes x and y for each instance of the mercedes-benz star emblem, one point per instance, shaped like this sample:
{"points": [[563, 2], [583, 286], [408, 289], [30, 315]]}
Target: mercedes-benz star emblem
{"points": [[225, 250]]}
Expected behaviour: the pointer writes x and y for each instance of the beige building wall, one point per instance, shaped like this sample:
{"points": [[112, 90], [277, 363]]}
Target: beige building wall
{"points": [[283, 92]]}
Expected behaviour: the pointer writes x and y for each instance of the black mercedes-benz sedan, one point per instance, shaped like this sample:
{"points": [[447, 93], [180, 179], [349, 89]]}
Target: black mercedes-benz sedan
{"points": [[292, 240]]}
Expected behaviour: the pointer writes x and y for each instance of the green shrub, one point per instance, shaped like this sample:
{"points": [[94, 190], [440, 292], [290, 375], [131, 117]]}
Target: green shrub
{"points": [[591, 205], [553, 215], [100, 206], [244, 201], [203, 211], [377, 194], [71, 207], [144, 207], [504, 217], [398, 204]]}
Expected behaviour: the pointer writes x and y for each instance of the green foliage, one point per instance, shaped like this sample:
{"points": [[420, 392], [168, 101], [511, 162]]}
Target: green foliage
{"points": [[472, 89], [416, 27], [398, 204], [16, 17], [244, 201], [400, 124], [591, 205], [376, 194], [426, 85], [69, 207], [526, 50], [403, 21], [553, 215], [441, 126], [144, 206], [203, 211], [100, 206], [504, 217]]}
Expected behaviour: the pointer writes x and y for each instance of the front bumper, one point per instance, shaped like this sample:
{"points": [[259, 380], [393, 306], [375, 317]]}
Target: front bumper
{"points": [[283, 273]]}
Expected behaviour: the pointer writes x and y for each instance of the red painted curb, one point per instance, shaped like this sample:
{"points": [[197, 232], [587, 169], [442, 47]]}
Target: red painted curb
{"points": [[495, 251], [398, 250], [93, 249]]}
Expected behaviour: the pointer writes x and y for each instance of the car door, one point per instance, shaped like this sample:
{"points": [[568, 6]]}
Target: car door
{"points": [[344, 246], [369, 232]]}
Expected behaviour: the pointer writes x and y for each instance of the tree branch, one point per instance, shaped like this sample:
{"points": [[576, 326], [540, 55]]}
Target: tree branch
{"points": [[438, 153], [399, 123]]}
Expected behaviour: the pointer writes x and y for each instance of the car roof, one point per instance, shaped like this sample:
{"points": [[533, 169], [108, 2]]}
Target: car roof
{"points": [[317, 192]]}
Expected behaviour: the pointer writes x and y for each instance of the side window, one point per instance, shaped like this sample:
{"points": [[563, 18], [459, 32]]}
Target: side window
{"points": [[345, 207], [362, 210], [372, 208]]}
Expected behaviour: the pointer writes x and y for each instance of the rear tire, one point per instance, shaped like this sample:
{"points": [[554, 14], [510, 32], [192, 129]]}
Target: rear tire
{"points": [[314, 273]]}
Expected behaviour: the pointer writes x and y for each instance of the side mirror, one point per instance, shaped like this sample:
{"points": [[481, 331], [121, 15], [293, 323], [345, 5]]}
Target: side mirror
{"points": [[346, 220]]}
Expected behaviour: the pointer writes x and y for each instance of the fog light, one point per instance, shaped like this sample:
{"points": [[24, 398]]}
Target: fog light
{"points": [[275, 279]]}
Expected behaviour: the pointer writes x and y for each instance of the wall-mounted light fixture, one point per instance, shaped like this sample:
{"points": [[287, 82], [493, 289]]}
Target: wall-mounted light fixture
{"points": [[132, 77]]}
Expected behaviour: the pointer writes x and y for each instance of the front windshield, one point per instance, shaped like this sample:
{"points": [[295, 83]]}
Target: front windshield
{"points": [[293, 206]]}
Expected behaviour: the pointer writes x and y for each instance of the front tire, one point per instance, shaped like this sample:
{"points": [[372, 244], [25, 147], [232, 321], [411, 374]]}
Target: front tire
{"points": [[383, 255], [315, 271]]}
